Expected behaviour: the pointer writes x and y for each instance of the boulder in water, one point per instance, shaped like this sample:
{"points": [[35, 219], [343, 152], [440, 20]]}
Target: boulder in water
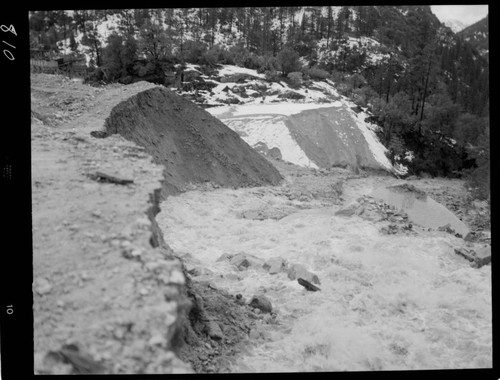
{"points": [[306, 284], [274, 265], [243, 261], [296, 271], [348, 210], [483, 256], [478, 257], [262, 303]]}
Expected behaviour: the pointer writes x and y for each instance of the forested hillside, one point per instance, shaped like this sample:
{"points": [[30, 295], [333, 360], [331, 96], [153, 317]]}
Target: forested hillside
{"points": [[477, 35], [427, 87]]}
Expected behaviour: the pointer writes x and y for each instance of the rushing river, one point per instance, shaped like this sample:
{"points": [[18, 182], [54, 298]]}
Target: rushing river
{"points": [[386, 302]]}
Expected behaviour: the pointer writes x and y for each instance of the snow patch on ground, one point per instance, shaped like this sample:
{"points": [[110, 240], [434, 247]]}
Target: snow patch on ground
{"points": [[230, 70], [285, 108], [274, 133]]}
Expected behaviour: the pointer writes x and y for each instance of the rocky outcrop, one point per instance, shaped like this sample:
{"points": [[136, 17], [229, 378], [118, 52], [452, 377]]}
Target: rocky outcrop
{"points": [[296, 271], [262, 303]]}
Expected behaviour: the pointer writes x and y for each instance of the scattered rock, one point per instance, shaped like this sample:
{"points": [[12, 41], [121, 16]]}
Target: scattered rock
{"points": [[213, 330], [393, 228], [131, 252], [479, 257], [306, 284], [42, 286], [195, 272], [298, 270], [470, 237], [232, 277], [274, 265], [447, 228], [348, 210], [243, 261], [157, 340], [275, 153], [224, 257], [262, 303], [483, 256], [80, 362], [240, 300], [291, 95], [478, 236], [110, 177]]}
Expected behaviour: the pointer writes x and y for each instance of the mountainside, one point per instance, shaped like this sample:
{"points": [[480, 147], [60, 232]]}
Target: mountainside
{"points": [[455, 25], [478, 36]]}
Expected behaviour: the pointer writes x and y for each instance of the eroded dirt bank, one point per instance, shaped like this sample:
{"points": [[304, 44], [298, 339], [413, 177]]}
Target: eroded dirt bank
{"points": [[110, 295]]}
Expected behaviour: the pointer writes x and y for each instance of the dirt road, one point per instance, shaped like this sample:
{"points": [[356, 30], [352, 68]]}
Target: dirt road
{"points": [[98, 282]]}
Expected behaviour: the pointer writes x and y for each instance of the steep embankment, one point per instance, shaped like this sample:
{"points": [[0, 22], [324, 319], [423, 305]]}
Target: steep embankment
{"points": [[315, 135], [106, 297], [192, 145]]}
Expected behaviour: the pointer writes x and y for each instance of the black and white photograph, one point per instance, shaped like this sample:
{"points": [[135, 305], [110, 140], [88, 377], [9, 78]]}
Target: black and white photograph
{"points": [[259, 189]]}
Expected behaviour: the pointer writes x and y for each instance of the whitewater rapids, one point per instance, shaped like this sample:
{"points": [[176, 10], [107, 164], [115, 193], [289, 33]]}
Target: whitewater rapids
{"points": [[387, 302]]}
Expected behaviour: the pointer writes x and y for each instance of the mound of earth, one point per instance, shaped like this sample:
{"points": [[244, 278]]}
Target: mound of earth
{"points": [[192, 145]]}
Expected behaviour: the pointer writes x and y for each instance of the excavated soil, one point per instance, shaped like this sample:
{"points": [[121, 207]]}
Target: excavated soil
{"points": [[192, 145]]}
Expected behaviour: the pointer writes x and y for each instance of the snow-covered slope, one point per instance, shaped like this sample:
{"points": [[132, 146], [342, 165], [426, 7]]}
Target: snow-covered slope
{"points": [[320, 129], [455, 25]]}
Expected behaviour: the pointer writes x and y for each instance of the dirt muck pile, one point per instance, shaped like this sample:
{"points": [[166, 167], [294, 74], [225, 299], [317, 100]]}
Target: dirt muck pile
{"points": [[192, 145]]}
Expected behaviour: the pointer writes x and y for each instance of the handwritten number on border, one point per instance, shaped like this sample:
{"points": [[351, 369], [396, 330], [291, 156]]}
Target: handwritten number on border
{"points": [[8, 54], [7, 29]]}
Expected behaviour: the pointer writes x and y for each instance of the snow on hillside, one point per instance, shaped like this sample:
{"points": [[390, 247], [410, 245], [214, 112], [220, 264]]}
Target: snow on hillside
{"points": [[285, 108], [231, 69], [455, 25], [273, 132], [103, 28], [366, 45], [260, 119]]}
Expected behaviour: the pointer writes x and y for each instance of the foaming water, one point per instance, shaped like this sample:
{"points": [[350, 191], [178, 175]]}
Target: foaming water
{"points": [[386, 302]]}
